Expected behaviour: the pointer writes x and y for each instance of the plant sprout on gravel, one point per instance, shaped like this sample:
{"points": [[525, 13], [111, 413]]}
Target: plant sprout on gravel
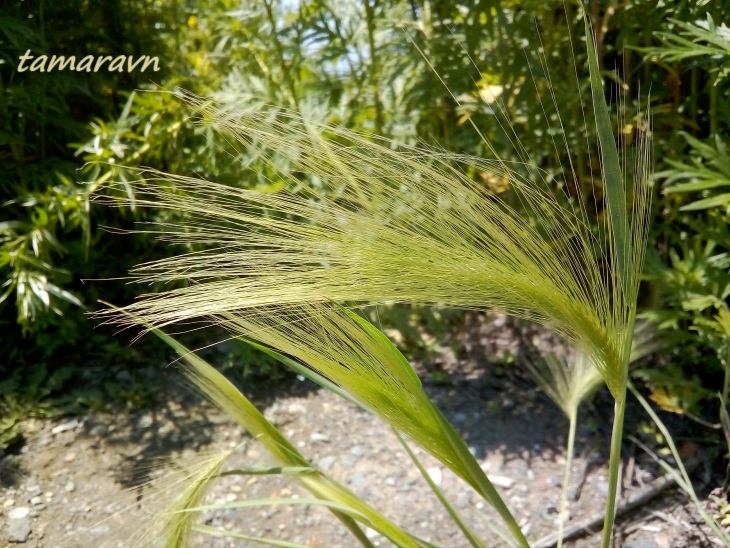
{"points": [[569, 381], [407, 225]]}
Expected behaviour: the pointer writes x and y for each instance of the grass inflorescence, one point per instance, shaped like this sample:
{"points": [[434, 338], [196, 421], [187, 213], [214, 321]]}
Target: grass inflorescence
{"points": [[361, 220]]}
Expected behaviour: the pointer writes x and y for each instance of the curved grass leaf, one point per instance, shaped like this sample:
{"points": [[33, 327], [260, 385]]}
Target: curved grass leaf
{"points": [[351, 354], [224, 395]]}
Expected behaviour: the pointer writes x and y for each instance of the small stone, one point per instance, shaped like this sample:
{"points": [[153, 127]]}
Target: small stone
{"points": [[8, 503], [317, 436], [326, 463], [358, 480], [18, 526], [357, 451], [70, 487], [459, 418], [502, 481], [19, 513], [101, 529], [65, 426], [295, 409], [519, 467], [35, 501], [436, 475], [641, 542], [463, 500], [18, 530], [145, 421], [97, 431], [70, 457], [32, 486]]}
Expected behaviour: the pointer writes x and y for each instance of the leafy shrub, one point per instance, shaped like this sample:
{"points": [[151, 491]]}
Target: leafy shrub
{"points": [[691, 272]]}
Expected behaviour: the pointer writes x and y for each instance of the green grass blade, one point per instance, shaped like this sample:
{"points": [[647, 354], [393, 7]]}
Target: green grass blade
{"points": [[623, 262], [332, 494], [223, 394], [269, 471], [681, 476], [357, 358], [613, 179], [251, 503]]}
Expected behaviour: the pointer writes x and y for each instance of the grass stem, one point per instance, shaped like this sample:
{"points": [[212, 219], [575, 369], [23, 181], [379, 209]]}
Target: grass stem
{"points": [[563, 509], [614, 465]]}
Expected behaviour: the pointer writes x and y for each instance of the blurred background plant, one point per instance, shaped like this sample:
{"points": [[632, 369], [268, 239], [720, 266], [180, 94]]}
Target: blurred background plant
{"points": [[369, 65]]}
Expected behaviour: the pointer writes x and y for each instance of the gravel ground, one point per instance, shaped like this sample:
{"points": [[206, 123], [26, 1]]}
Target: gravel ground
{"points": [[70, 485]]}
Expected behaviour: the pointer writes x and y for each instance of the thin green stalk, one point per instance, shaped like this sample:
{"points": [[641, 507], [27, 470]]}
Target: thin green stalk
{"points": [[566, 477], [613, 466]]}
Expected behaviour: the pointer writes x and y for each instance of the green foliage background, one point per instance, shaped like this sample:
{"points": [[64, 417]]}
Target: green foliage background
{"points": [[370, 65]]}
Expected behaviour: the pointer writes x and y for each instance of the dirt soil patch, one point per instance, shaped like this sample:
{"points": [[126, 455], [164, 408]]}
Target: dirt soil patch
{"points": [[72, 484]]}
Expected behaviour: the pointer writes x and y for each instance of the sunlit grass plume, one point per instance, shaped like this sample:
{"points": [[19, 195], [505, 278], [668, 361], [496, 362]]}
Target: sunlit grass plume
{"points": [[363, 220]]}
